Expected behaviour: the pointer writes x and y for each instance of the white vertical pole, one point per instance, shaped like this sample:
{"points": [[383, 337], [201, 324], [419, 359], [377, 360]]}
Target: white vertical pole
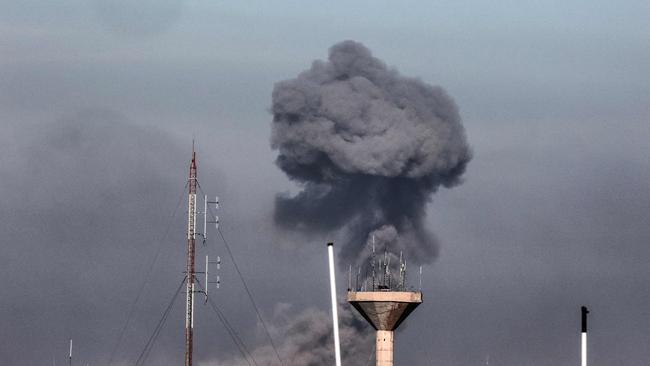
{"points": [[584, 349], [205, 220], [335, 315], [194, 217], [70, 355], [192, 317], [206, 277]]}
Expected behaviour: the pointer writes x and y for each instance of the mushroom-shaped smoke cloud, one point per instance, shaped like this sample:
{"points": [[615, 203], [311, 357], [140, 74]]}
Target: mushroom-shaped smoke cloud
{"points": [[369, 147]]}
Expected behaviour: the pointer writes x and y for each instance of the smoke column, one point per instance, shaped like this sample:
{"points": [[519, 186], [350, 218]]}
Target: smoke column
{"points": [[368, 147], [307, 339]]}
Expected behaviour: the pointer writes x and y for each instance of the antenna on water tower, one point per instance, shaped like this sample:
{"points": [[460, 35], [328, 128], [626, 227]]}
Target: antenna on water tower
{"points": [[385, 306], [373, 260]]}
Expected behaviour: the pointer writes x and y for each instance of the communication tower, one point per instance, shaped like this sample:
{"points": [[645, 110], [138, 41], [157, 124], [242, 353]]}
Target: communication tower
{"points": [[191, 254]]}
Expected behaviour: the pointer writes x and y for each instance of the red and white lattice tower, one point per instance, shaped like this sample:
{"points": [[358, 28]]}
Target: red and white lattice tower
{"points": [[191, 249]]}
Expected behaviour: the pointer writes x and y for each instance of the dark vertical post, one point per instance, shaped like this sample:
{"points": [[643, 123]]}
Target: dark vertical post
{"points": [[584, 312], [583, 335]]}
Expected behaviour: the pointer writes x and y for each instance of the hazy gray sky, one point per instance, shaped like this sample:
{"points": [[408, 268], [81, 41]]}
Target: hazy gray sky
{"points": [[100, 101]]}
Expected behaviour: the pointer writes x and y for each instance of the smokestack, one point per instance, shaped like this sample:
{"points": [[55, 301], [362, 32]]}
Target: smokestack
{"points": [[583, 352], [335, 315]]}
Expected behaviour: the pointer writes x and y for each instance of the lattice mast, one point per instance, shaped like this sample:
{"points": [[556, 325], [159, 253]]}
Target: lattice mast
{"points": [[191, 251]]}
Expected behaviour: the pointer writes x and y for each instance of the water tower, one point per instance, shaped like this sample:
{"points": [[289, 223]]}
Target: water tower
{"points": [[384, 302]]}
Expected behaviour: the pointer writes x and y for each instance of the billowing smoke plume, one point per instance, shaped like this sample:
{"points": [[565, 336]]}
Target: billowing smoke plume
{"points": [[85, 198], [307, 339], [369, 148]]}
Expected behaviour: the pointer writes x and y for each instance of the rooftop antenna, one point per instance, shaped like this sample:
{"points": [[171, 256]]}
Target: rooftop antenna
{"points": [[373, 262], [70, 354], [350, 278], [191, 254], [385, 270], [388, 274], [358, 275], [402, 270]]}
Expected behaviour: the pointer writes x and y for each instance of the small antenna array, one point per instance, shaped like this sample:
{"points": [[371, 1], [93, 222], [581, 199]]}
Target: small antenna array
{"points": [[379, 275]]}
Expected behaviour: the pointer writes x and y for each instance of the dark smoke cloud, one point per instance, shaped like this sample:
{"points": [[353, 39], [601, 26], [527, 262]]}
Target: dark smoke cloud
{"points": [[369, 147], [307, 339]]}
